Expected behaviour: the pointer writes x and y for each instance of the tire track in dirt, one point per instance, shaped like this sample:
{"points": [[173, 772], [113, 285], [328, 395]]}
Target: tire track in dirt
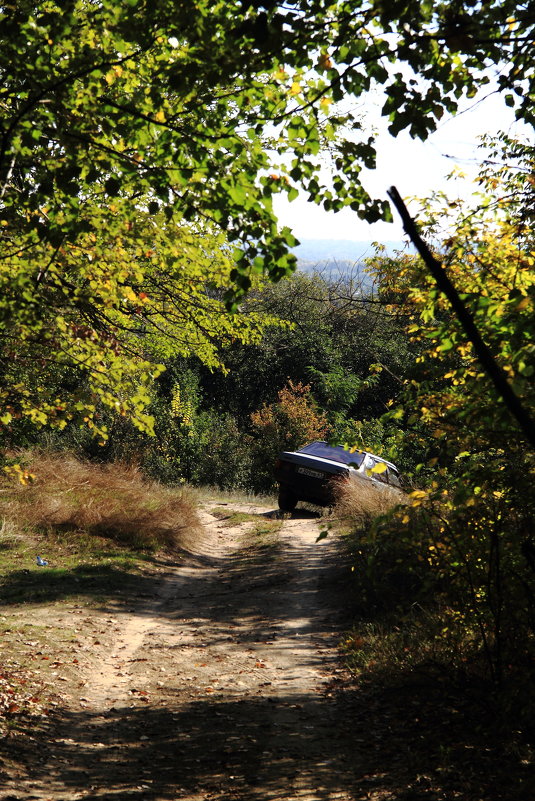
{"points": [[218, 687]]}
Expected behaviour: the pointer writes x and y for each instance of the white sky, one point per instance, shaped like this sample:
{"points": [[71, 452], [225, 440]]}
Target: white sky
{"points": [[416, 168]]}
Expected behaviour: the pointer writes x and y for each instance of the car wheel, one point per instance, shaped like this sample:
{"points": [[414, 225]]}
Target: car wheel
{"points": [[287, 500]]}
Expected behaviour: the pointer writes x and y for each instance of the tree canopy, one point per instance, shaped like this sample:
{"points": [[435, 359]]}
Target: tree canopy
{"points": [[471, 527], [134, 133], [167, 105]]}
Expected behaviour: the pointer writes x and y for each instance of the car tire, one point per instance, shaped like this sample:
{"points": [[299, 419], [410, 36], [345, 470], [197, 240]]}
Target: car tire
{"points": [[287, 500]]}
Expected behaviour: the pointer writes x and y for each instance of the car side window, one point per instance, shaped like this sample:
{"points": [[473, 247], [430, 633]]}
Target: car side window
{"points": [[380, 476], [393, 478]]}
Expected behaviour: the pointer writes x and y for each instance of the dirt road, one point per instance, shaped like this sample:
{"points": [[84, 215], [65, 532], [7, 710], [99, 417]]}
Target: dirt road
{"points": [[216, 683], [216, 677]]}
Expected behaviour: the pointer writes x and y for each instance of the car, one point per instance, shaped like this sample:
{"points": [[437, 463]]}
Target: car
{"points": [[311, 474]]}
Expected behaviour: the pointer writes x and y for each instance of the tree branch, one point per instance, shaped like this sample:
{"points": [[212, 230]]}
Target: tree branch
{"points": [[466, 320]]}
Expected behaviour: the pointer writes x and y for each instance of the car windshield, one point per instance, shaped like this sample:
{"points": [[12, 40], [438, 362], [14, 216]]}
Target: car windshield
{"points": [[335, 453]]}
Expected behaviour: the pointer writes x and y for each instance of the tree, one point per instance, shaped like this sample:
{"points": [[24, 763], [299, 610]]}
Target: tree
{"points": [[287, 424], [339, 338], [199, 113], [473, 524], [112, 307]]}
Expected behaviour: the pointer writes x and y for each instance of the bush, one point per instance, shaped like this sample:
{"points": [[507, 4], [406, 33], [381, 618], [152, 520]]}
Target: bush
{"points": [[288, 424], [448, 577]]}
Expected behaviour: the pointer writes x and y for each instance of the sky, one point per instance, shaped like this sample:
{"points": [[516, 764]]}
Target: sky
{"points": [[416, 168]]}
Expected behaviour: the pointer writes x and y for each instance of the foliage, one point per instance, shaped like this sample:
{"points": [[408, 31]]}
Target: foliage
{"points": [[286, 425], [164, 101], [341, 340], [490, 260], [467, 539], [295, 417], [130, 130], [336, 338], [95, 329], [193, 442]]}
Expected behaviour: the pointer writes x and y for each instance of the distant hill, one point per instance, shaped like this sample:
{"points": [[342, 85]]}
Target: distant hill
{"points": [[337, 254]]}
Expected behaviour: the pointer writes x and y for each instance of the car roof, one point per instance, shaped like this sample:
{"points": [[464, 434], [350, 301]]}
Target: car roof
{"points": [[341, 447]]}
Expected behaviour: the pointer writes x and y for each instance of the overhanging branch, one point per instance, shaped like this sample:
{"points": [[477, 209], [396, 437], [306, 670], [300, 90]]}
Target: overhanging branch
{"points": [[466, 320]]}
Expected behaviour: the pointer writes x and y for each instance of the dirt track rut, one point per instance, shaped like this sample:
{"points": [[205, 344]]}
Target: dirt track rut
{"points": [[215, 686]]}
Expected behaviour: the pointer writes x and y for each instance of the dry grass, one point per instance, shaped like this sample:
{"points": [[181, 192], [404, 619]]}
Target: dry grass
{"points": [[111, 500], [360, 501], [208, 493]]}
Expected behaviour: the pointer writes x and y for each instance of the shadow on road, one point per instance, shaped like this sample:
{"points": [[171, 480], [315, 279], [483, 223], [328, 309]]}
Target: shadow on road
{"points": [[353, 745], [221, 587]]}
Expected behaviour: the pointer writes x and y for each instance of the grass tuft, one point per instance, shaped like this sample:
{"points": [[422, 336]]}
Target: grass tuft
{"points": [[209, 493], [112, 501], [361, 501]]}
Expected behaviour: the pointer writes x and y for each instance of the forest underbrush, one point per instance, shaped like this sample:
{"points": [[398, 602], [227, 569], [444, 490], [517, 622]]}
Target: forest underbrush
{"points": [[414, 622]]}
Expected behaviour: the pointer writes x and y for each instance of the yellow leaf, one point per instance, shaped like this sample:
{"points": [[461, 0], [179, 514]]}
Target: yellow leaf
{"points": [[129, 293], [380, 467], [418, 494], [159, 116]]}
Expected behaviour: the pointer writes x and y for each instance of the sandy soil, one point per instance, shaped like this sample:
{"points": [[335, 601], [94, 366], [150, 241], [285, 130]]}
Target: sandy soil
{"points": [[217, 682]]}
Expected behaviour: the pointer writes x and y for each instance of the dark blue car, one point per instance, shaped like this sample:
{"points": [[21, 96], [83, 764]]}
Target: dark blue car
{"points": [[312, 473]]}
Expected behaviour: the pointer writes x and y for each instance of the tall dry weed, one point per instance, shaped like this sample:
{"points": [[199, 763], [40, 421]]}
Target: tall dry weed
{"points": [[112, 500], [360, 501]]}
